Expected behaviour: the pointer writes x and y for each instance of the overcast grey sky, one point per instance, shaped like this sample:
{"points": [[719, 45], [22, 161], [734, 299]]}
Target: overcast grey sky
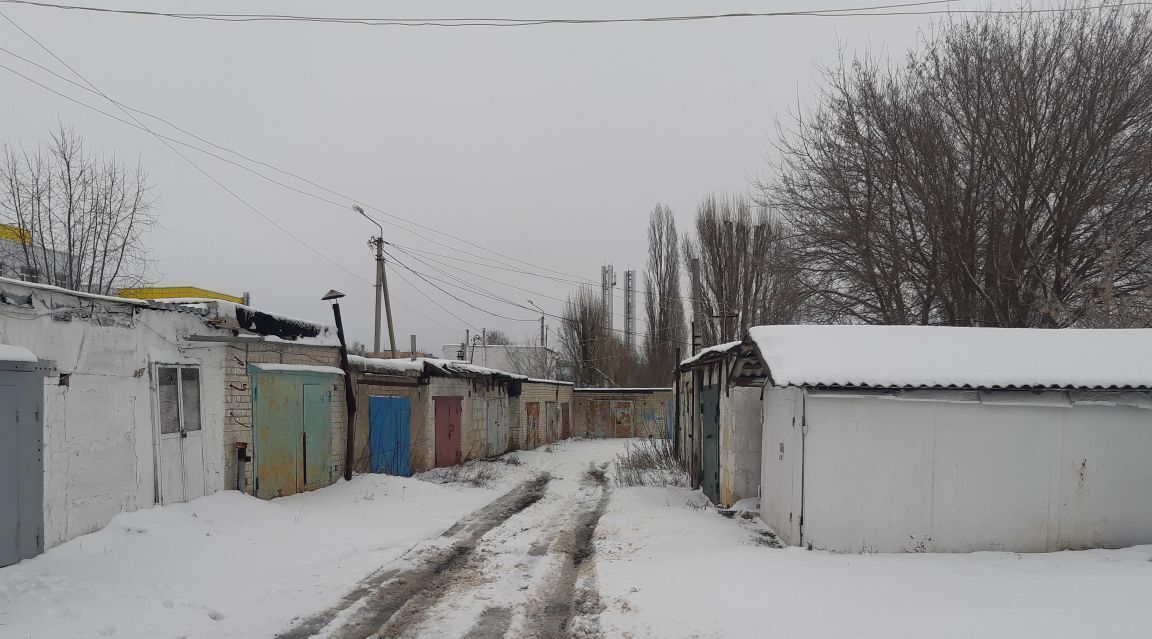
{"points": [[546, 144]]}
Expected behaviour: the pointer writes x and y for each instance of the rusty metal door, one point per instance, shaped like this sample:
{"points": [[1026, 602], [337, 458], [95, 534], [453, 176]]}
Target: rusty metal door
{"points": [[601, 423], [565, 421], [277, 416], [448, 412], [622, 419], [552, 420], [532, 434]]}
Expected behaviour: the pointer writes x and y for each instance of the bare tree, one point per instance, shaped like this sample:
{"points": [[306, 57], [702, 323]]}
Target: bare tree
{"points": [[539, 361], [662, 298], [598, 355], [84, 217], [1001, 177], [496, 337], [742, 257]]}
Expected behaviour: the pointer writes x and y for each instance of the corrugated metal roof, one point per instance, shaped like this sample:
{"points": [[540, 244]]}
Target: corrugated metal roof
{"points": [[955, 357]]}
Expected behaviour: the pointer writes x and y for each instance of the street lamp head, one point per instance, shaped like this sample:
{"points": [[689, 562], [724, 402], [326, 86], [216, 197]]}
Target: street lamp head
{"points": [[358, 209], [332, 294]]}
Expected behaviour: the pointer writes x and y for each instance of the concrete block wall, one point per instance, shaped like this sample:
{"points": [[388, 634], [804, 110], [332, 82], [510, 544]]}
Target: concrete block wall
{"points": [[238, 400], [541, 393], [651, 410], [364, 394]]}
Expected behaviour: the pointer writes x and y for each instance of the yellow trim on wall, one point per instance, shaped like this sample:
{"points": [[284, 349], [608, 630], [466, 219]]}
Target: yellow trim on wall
{"points": [[169, 292], [15, 233]]}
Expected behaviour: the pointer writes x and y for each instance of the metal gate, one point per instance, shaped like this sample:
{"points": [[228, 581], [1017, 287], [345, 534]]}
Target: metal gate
{"points": [[389, 435], [601, 414], [565, 421], [448, 413], [21, 461], [316, 439], [292, 428], [710, 429]]}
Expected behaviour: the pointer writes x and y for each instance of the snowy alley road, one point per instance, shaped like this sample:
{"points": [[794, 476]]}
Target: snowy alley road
{"points": [[552, 547], [515, 568]]}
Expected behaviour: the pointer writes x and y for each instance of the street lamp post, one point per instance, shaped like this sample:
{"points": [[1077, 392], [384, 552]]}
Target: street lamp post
{"points": [[381, 288]]}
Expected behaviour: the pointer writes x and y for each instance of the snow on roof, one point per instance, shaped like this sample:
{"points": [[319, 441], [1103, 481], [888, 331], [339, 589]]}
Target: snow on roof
{"points": [[298, 368], [623, 389], [719, 348], [431, 365], [155, 305], [555, 382], [10, 353], [386, 366], [254, 320], [955, 357]]}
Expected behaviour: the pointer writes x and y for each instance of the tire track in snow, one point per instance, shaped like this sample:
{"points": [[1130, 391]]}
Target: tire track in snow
{"points": [[376, 599]]}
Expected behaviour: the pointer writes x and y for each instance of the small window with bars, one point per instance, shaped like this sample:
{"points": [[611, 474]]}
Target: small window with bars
{"points": [[178, 398]]}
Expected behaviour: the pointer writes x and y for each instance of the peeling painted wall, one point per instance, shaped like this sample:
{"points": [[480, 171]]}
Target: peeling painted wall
{"points": [[651, 411], [238, 400], [99, 441]]}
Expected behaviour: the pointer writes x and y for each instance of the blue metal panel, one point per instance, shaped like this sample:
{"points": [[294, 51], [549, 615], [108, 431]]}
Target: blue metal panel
{"points": [[389, 435]]}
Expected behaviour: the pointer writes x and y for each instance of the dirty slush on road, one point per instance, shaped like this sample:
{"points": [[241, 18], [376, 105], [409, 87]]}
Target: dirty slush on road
{"points": [[519, 567]]}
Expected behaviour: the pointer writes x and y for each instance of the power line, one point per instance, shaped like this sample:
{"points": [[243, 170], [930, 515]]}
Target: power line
{"points": [[235, 195], [394, 219], [139, 125], [477, 22], [884, 10], [466, 303], [400, 274]]}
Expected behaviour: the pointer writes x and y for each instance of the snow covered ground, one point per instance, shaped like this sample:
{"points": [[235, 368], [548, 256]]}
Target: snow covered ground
{"points": [[669, 568], [664, 565], [227, 565]]}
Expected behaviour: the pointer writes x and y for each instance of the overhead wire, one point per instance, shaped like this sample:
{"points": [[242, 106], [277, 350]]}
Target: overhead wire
{"points": [[191, 162], [392, 221], [168, 141], [881, 10], [138, 125]]}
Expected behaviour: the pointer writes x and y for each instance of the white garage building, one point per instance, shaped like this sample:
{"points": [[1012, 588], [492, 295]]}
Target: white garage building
{"points": [[943, 439]]}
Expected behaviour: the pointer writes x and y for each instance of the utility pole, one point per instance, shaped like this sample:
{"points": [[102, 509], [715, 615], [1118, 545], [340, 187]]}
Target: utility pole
{"points": [[630, 308], [543, 333], [381, 288]]}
